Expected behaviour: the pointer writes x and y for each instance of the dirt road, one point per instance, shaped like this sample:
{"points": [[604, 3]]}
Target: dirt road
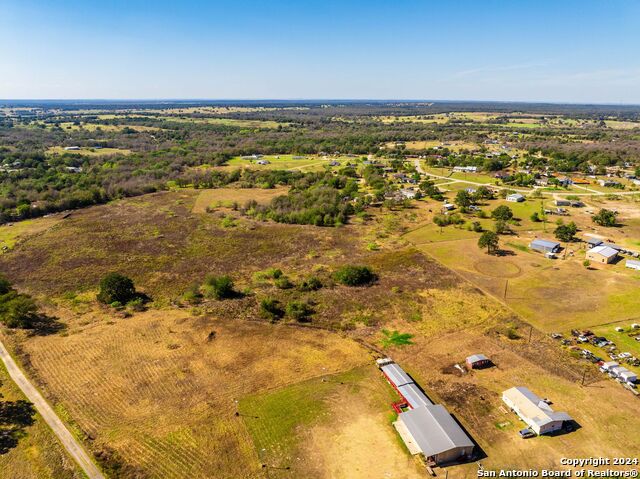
{"points": [[591, 192], [73, 447]]}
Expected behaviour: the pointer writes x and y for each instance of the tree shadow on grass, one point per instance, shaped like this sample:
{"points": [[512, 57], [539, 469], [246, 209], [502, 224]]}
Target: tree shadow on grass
{"points": [[15, 417], [46, 325]]}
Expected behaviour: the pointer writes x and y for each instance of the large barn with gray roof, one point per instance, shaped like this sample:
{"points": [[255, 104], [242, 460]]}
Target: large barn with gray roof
{"points": [[426, 428]]}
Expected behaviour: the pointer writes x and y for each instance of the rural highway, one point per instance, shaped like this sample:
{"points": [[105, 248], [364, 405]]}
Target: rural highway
{"points": [[520, 190], [73, 447]]}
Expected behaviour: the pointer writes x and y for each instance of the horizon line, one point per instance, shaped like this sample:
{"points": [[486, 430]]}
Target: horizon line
{"points": [[292, 100]]}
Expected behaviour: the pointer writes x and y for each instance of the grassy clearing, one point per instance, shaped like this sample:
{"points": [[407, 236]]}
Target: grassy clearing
{"points": [[38, 455], [275, 419], [59, 150], [286, 162], [12, 233], [553, 295], [226, 197]]}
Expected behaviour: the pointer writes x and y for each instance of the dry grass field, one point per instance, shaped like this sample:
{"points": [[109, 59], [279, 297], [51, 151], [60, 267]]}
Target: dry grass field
{"points": [[327, 427], [226, 197], [155, 397], [59, 150], [12, 233], [37, 454]]}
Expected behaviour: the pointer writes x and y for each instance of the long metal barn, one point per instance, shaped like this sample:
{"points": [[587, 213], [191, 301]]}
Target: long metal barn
{"points": [[425, 428]]}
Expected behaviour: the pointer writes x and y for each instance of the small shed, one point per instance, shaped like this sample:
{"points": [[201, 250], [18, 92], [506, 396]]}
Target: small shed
{"points": [[545, 246], [633, 264], [515, 198], [593, 242], [478, 361]]}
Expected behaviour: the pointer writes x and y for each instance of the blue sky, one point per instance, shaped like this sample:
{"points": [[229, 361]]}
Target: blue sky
{"points": [[561, 50]]}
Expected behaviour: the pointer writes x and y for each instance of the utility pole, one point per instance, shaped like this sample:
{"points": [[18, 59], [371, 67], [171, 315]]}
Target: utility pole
{"points": [[506, 284], [530, 333]]}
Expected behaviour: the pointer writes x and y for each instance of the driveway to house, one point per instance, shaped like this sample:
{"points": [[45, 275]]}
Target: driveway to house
{"points": [[73, 447]]}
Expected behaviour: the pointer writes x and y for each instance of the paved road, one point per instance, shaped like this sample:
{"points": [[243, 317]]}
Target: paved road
{"points": [[520, 190], [68, 441]]}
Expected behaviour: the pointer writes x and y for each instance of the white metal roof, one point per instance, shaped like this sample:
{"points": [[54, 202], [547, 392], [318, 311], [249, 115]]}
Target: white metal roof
{"points": [[414, 396], [396, 375], [532, 407], [477, 357], [605, 251], [545, 243]]}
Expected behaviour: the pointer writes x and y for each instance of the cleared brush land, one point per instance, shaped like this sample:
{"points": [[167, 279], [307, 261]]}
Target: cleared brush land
{"points": [[227, 197], [155, 396]]}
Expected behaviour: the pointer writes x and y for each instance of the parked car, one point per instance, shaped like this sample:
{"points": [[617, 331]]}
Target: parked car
{"points": [[526, 433]]}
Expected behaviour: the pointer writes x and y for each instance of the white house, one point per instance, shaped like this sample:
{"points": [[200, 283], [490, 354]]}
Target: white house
{"points": [[534, 411], [515, 198]]}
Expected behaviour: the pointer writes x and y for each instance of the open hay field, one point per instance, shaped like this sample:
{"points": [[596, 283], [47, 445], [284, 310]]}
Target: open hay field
{"points": [[226, 197], [37, 454], [155, 396]]}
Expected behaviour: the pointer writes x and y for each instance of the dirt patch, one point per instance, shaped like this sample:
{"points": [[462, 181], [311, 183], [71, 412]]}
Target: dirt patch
{"points": [[359, 441]]}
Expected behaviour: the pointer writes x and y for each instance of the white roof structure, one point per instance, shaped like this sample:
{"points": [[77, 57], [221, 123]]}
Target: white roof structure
{"points": [[477, 357], [605, 251], [632, 263], [434, 430], [608, 365], [396, 375], [414, 396], [628, 376], [532, 407]]}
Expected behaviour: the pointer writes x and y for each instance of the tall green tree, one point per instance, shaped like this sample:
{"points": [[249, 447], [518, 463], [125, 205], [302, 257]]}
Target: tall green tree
{"points": [[489, 240]]}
